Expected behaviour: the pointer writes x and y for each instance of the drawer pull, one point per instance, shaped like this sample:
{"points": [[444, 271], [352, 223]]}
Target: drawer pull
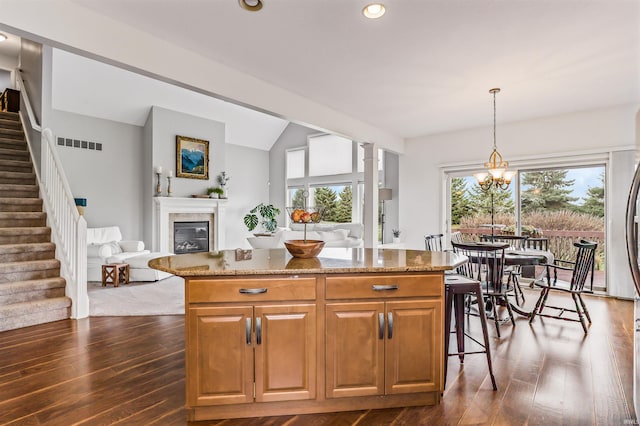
{"points": [[390, 325], [387, 287], [258, 331], [380, 326], [252, 290], [248, 331]]}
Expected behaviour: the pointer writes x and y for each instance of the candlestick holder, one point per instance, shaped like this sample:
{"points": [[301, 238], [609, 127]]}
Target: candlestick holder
{"points": [[158, 186], [168, 186]]}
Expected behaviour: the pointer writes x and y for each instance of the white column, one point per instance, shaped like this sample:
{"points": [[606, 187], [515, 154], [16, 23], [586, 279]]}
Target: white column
{"points": [[370, 195]]}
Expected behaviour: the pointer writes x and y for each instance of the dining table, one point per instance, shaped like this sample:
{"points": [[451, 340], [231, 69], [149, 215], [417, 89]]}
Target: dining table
{"points": [[521, 257]]}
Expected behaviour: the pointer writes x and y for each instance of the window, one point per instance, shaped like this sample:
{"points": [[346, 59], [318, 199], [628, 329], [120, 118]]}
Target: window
{"points": [[559, 204], [337, 201], [295, 163], [330, 155]]}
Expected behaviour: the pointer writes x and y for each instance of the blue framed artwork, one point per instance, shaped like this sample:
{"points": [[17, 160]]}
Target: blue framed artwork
{"points": [[192, 158]]}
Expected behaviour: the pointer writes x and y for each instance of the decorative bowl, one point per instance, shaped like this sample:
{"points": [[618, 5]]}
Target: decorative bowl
{"points": [[304, 249], [306, 214], [300, 263]]}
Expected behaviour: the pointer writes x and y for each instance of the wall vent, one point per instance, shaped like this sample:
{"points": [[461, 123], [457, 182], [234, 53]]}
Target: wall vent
{"points": [[76, 143]]}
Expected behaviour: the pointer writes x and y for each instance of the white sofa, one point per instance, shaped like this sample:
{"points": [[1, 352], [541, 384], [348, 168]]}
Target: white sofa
{"points": [[105, 245], [334, 235]]}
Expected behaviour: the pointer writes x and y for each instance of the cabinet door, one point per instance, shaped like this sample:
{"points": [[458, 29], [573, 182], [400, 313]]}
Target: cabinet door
{"points": [[413, 347], [354, 349], [219, 356], [285, 352]]}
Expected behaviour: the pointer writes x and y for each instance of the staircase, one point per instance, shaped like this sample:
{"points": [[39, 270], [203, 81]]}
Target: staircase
{"points": [[31, 288]]}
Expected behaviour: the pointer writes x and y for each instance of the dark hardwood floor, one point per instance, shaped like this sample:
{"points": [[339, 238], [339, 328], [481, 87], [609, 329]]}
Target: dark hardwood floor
{"points": [[130, 371]]}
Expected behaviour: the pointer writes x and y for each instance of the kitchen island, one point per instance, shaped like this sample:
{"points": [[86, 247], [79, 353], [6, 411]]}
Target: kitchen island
{"points": [[268, 334]]}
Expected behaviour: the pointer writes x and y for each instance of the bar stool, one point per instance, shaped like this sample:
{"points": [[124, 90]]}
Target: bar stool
{"points": [[457, 288]]}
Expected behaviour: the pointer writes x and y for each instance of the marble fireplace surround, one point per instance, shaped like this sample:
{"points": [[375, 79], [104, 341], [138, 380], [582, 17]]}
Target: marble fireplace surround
{"points": [[168, 210]]}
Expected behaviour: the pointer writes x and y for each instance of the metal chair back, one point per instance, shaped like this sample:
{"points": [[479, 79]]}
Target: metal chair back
{"points": [[433, 242], [517, 242], [538, 243], [486, 263]]}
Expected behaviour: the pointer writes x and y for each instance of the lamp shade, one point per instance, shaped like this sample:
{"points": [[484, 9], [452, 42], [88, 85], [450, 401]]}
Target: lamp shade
{"points": [[385, 194]]}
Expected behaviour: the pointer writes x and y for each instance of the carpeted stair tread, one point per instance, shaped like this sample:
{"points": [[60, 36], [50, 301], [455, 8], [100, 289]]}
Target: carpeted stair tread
{"points": [[31, 285], [28, 251], [9, 124], [17, 144], [19, 248], [22, 219], [5, 115], [17, 178], [31, 290], [18, 315], [32, 265], [16, 166], [12, 134], [10, 204], [13, 190], [10, 154], [23, 231]]}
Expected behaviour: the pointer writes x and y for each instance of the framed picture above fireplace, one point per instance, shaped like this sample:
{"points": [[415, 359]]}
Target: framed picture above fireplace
{"points": [[192, 158]]}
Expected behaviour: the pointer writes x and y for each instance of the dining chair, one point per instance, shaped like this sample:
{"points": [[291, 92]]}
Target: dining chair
{"points": [[513, 272], [486, 265], [434, 242], [580, 268]]}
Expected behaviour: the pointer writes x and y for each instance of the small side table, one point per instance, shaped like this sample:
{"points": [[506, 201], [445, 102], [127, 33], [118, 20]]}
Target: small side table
{"points": [[115, 273]]}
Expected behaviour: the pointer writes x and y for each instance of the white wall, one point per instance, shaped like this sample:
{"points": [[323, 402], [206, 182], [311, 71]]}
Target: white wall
{"points": [[110, 179], [249, 185], [420, 173], [5, 80]]}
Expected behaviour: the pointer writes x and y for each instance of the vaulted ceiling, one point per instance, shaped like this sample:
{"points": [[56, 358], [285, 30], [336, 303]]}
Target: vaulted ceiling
{"points": [[425, 67]]}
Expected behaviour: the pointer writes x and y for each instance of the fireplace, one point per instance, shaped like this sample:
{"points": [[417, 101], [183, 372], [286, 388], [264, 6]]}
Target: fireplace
{"points": [[190, 237], [168, 210]]}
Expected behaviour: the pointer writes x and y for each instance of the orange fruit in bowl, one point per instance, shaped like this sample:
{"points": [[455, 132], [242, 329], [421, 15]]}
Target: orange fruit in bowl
{"points": [[296, 215]]}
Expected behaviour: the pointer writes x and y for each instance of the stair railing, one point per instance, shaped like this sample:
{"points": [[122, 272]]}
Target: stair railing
{"points": [[68, 227]]}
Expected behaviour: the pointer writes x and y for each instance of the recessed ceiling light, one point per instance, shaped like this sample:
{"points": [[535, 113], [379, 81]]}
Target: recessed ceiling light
{"points": [[2, 37], [374, 10], [251, 5]]}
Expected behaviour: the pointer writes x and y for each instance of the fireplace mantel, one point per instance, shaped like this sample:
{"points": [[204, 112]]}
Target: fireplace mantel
{"points": [[164, 206]]}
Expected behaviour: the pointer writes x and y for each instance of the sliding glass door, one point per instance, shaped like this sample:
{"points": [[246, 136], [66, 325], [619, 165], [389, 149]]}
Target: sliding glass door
{"points": [[558, 205]]}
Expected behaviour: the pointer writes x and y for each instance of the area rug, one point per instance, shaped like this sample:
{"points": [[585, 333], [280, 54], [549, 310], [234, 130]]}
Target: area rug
{"points": [[164, 297]]}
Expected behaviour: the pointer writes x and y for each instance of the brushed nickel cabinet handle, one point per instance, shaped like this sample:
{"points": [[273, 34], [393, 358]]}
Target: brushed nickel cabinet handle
{"points": [[386, 287], [258, 331], [380, 326], [248, 331], [252, 290], [390, 325]]}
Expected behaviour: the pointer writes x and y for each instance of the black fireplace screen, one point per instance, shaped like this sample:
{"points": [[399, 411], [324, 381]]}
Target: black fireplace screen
{"points": [[190, 237]]}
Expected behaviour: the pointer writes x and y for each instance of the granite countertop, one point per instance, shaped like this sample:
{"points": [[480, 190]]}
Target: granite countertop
{"points": [[329, 261]]}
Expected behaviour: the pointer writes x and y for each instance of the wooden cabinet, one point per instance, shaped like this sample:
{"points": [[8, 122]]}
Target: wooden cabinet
{"points": [[243, 353], [383, 348], [265, 345]]}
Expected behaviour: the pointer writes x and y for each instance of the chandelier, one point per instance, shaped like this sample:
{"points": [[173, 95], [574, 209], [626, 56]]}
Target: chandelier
{"points": [[497, 173]]}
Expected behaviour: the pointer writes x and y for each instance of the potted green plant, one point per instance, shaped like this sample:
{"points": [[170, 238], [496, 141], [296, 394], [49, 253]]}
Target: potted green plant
{"points": [[396, 235], [215, 192], [267, 219]]}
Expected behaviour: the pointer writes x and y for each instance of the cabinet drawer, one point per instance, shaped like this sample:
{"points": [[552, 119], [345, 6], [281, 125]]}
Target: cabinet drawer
{"points": [[383, 286], [250, 290]]}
